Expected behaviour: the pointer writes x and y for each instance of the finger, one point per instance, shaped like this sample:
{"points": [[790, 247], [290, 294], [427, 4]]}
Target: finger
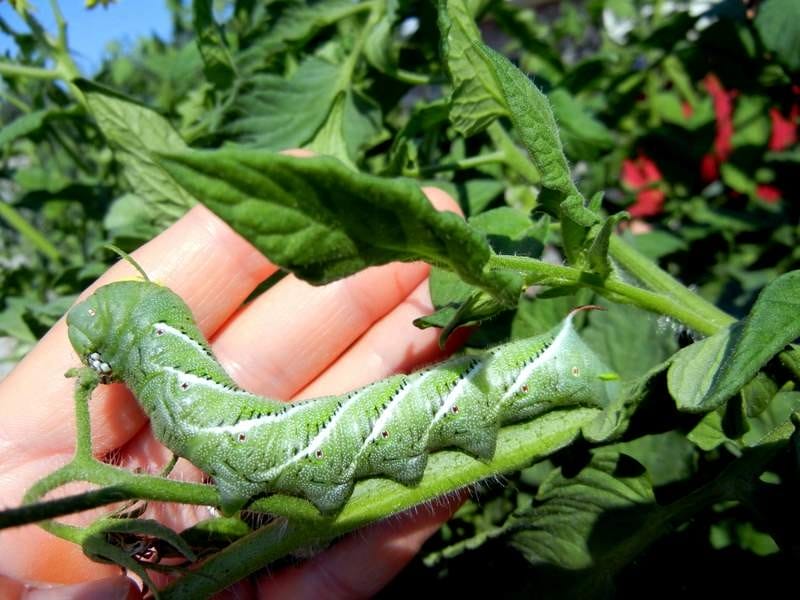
{"points": [[364, 562], [289, 335], [392, 345]]}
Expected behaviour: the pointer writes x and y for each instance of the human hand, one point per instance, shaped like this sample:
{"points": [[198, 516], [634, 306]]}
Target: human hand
{"points": [[294, 341]]}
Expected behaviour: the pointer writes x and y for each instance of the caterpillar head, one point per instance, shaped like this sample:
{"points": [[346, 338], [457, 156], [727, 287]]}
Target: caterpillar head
{"points": [[90, 324], [102, 327]]}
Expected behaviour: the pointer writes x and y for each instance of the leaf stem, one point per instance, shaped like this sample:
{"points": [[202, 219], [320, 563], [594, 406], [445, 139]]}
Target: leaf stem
{"points": [[539, 272], [465, 163], [15, 70], [651, 275], [17, 102], [25, 229]]}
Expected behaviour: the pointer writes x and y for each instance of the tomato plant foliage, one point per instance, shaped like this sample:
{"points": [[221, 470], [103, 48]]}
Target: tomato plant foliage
{"points": [[546, 126]]}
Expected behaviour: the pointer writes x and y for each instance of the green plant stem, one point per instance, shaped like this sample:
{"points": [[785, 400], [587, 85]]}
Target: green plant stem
{"points": [[119, 485], [348, 68], [464, 163], [17, 102], [539, 272], [15, 70], [25, 229], [659, 280], [412, 78], [69, 148]]}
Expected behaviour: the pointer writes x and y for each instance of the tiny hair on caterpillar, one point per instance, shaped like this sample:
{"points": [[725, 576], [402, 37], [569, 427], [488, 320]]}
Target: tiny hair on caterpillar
{"points": [[142, 334]]}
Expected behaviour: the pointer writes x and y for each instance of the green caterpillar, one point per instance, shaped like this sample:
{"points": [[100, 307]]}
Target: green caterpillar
{"points": [[144, 335]]}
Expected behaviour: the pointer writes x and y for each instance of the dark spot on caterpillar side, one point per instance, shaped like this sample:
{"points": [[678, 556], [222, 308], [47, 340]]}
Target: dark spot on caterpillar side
{"points": [[575, 371], [242, 437], [454, 410], [318, 454], [524, 389], [385, 434], [159, 331], [184, 386]]}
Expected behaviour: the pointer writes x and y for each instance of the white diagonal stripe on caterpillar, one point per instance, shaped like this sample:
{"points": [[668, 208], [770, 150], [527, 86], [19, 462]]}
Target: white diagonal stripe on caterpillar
{"points": [[316, 442], [526, 372]]}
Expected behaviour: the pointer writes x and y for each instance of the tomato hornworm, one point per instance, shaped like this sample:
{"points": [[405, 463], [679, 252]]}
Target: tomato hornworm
{"points": [[143, 334]]}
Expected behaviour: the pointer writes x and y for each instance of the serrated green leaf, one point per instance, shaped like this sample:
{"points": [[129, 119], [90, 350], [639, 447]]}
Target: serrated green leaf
{"points": [[533, 121], [631, 340], [731, 424], [669, 457], [538, 315], [584, 136], [353, 123], [277, 113], [458, 304], [778, 23], [329, 139], [757, 394], [581, 529], [136, 132], [219, 66], [12, 321], [475, 101], [322, 221], [707, 373], [380, 48], [630, 394], [777, 414]]}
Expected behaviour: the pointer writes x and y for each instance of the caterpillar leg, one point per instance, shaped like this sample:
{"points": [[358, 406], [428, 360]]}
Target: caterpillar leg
{"points": [[232, 500], [328, 497], [479, 442], [407, 471]]}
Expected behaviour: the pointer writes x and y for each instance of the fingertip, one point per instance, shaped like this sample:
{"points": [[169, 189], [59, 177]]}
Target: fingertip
{"points": [[299, 152], [441, 200]]}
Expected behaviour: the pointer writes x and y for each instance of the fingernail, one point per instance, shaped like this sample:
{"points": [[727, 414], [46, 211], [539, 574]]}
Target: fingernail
{"points": [[111, 588]]}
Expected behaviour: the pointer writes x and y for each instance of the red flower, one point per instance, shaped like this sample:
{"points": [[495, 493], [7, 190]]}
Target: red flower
{"points": [[723, 110], [784, 131], [768, 193], [709, 169], [640, 175]]}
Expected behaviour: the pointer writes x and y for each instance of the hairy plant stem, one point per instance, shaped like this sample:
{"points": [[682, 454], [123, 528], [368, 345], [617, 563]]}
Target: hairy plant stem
{"points": [[695, 315], [659, 280]]}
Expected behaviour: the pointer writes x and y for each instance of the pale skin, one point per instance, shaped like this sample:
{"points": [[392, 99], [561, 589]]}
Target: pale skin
{"points": [[295, 341]]}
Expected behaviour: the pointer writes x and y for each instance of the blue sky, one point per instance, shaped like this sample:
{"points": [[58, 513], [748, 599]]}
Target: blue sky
{"points": [[89, 31]]}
